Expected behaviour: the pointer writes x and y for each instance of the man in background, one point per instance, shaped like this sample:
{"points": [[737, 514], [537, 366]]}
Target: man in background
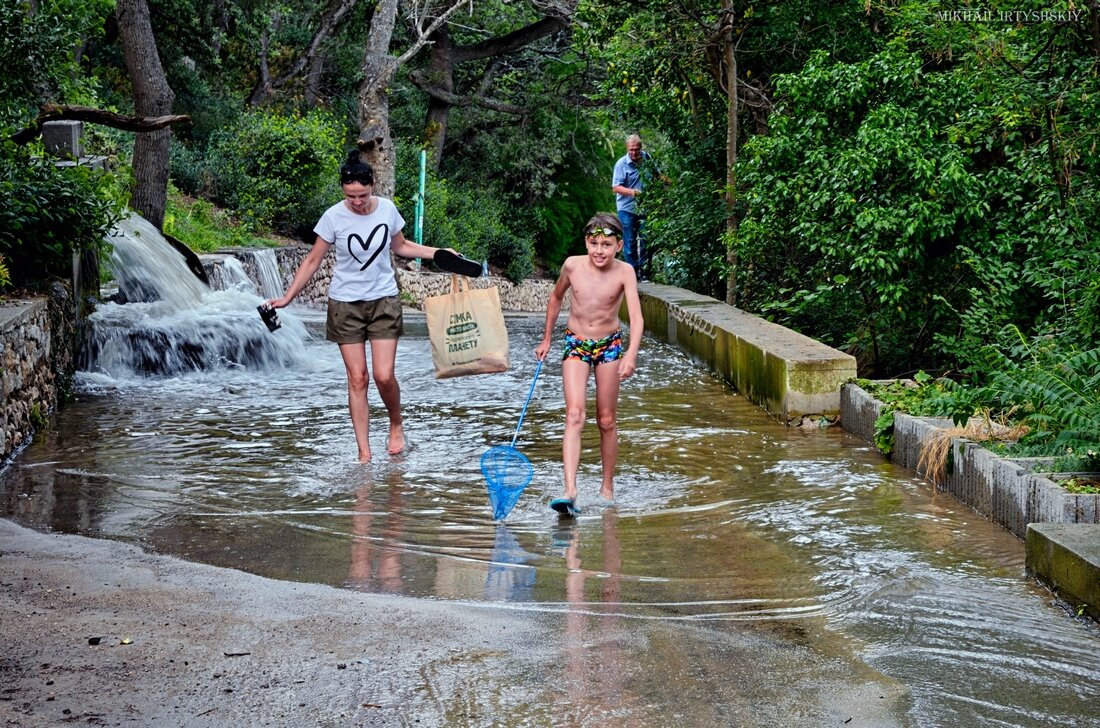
{"points": [[632, 171]]}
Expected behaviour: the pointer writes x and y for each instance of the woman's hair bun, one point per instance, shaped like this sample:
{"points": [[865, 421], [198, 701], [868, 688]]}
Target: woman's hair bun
{"points": [[355, 169]]}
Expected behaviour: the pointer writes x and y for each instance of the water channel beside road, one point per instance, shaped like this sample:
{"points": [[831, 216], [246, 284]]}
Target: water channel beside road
{"points": [[767, 559]]}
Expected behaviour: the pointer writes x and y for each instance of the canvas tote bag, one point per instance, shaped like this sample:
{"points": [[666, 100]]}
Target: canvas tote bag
{"points": [[466, 330]]}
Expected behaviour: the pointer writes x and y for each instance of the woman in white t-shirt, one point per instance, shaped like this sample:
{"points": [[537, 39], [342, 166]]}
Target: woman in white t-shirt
{"points": [[363, 302]]}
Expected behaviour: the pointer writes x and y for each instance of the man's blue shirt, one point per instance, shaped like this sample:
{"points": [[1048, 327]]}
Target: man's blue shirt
{"points": [[628, 174]]}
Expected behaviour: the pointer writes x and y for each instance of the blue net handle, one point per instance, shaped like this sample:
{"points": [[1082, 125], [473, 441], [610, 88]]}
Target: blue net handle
{"points": [[529, 393]]}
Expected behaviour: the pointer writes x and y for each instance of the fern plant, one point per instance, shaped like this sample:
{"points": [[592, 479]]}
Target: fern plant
{"points": [[5, 274], [1057, 394]]}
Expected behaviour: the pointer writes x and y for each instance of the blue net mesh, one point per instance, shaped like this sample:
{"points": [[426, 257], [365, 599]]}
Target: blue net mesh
{"points": [[507, 472]]}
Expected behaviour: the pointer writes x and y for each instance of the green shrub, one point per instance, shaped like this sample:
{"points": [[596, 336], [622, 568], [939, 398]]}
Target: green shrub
{"points": [[579, 195], [48, 213], [922, 396], [683, 230], [1055, 391], [1051, 389], [5, 274], [475, 221], [205, 228], [188, 169], [277, 170]]}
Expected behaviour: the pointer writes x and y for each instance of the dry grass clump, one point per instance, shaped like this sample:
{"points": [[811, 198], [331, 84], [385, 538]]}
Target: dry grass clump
{"points": [[934, 451]]}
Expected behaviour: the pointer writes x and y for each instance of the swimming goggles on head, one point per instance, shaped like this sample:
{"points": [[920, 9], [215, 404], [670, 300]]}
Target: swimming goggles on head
{"points": [[606, 231]]}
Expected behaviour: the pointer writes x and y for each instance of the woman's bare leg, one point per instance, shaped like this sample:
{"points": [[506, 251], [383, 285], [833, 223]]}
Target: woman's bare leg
{"points": [[383, 354], [355, 362]]}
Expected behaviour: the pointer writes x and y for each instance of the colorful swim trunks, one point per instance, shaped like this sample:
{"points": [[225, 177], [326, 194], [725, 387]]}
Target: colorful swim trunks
{"points": [[593, 351]]}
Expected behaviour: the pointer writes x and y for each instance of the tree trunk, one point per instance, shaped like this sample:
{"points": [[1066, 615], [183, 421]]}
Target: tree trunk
{"points": [[152, 97], [266, 85], [730, 54], [313, 81], [375, 143], [441, 75], [438, 82], [221, 25], [263, 89]]}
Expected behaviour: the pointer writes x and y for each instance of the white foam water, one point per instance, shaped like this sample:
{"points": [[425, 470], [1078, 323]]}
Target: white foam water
{"points": [[172, 323]]}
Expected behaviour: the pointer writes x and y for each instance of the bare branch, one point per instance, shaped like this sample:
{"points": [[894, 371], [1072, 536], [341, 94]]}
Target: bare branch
{"points": [[423, 35], [458, 100], [55, 112]]}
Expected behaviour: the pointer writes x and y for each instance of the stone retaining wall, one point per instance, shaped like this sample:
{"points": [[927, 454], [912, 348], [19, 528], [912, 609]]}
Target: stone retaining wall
{"points": [[1012, 492], [1067, 558], [37, 349], [530, 295]]}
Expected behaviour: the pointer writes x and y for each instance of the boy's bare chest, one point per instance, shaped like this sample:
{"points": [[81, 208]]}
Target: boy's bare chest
{"points": [[596, 293]]}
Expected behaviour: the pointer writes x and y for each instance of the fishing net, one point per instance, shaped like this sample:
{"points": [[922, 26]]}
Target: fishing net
{"points": [[507, 472]]}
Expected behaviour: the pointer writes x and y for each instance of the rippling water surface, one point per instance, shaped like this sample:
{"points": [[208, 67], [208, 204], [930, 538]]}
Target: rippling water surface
{"points": [[722, 518]]}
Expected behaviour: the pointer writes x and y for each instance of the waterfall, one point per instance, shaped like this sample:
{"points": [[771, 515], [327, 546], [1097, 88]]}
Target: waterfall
{"points": [[173, 324], [226, 272], [148, 268], [267, 270]]}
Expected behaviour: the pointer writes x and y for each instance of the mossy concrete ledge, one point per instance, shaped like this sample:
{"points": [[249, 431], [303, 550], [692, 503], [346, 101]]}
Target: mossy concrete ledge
{"points": [[1066, 557], [792, 376]]}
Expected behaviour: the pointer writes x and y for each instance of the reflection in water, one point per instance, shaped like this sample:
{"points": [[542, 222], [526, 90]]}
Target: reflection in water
{"points": [[508, 578], [375, 563], [594, 669], [734, 542]]}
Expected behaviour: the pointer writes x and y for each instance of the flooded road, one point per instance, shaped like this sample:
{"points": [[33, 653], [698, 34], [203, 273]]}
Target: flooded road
{"points": [[748, 574]]}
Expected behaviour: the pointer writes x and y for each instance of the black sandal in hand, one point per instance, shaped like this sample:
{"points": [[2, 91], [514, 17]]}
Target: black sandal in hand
{"points": [[447, 261]]}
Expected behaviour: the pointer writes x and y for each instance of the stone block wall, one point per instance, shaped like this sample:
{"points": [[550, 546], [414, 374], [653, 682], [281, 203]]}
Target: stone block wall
{"points": [[529, 296], [1012, 492], [793, 377], [37, 354]]}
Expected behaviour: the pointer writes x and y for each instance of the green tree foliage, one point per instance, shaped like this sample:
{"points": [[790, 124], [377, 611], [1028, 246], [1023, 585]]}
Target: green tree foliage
{"points": [[909, 205], [211, 53], [37, 46], [665, 78], [471, 218], [549, 162], [277, 170], [48, 213]]}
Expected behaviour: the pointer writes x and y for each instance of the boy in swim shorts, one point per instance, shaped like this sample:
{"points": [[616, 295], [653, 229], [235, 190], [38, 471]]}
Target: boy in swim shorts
{"points": [[594, 342]]}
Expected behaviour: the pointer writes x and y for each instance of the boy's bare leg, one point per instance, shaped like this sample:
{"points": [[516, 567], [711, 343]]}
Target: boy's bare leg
{"points": [[383, 354], [355, 363], [574, 375], [607, 413]]}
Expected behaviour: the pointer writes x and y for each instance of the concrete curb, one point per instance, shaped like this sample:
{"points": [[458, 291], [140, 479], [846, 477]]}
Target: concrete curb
{"points": [[1011, 492], [1066, 557], [792, 376]]}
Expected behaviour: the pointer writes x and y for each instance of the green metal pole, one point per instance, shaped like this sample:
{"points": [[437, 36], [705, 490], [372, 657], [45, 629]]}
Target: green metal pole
{"points": [[420, 198], [418, 219]]}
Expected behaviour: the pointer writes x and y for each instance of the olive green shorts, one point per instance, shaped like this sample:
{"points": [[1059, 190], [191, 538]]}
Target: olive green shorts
{"points": [[354, 322]]}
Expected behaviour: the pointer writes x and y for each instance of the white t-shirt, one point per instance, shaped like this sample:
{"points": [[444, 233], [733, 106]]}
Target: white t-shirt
{"points": [[363, 270]]}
